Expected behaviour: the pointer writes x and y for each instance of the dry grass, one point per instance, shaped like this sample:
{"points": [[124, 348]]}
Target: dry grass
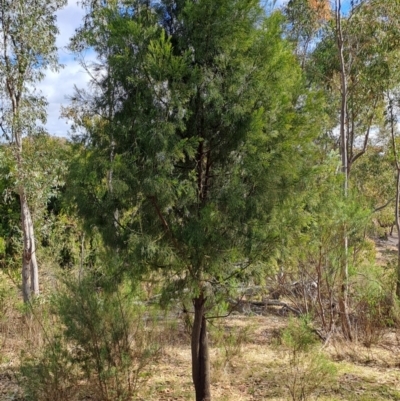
{"points": [[254, 373], [257, 372], [253, 369]]}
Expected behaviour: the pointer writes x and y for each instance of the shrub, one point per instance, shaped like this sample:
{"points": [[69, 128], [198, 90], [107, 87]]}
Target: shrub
{"points": [[105, 345], [52, 375], [230, 341], [308, 369], [374, 307]]}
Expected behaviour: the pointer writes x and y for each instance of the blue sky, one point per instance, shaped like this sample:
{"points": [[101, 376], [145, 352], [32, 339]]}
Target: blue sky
{"points": [[58, 86]]}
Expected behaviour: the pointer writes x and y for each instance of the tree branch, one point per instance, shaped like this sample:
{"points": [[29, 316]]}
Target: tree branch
{"points": [[385, 205]]}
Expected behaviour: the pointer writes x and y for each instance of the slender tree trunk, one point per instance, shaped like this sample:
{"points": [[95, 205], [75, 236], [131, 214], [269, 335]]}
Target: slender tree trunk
{"points": [[30, 272], [398, 230], [80, 274], [396, 209], [343, 290], [319, 284], [110, 112], [200, 352]]}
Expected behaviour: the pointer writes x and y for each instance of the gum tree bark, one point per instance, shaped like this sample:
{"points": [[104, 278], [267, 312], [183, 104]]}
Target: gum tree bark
{"points": [[30, 272]]}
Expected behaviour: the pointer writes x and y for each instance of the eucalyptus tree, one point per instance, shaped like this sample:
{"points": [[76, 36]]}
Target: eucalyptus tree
{"points": [[209, 133], [27, 47], [367, 44], [388, 58], [305, 20], [363, 73], [349, 62], [389, 51]]}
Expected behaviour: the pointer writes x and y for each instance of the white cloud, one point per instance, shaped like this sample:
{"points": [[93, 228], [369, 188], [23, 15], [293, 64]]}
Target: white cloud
{"points": [[58, 86], [68, 19]]}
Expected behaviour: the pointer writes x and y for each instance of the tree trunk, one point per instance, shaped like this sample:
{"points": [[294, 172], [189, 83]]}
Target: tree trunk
{"points": [[30, 272], [345, 321], [200, 352], [344, 313], [398, 231], [396, 209]]}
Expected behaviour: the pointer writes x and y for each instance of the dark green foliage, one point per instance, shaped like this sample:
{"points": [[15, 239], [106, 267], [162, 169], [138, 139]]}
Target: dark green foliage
{"points": [[211, 130], [202, 135]]}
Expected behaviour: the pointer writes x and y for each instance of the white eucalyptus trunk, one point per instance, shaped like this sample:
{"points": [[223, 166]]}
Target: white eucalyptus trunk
{"points": [[30, 271]]}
